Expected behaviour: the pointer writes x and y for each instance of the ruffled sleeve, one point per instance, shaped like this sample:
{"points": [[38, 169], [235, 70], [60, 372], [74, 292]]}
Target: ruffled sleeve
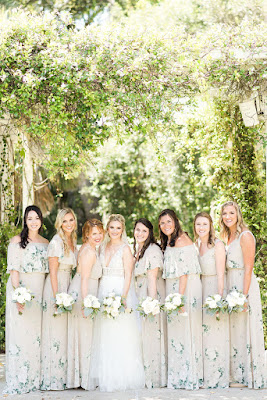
{"points": [[14, 257], [180, 261], [56, 247], [153, 258]]}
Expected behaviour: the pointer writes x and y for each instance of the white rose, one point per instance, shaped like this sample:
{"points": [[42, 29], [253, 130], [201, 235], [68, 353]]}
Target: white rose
{"points": [[212, 304], [148, 308], [177, 300], [217, 297], [109, 301], [20, 299], [27, 297], [67, 302], [87, 302], [118, 299], [114, 313], [96, 304], [156, 310], [240, 301]]}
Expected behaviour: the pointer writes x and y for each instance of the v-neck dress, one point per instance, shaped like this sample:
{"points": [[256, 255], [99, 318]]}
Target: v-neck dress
{"points": [[247, 365], [116, 362]]}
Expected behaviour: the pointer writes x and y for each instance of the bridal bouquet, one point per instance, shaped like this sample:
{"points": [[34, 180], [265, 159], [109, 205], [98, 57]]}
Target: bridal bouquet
{"points": [[174, 302], [215, 305], [236, 301], [64, 302], [22, 296], [149, 308], [112, 306], [91, 306]]}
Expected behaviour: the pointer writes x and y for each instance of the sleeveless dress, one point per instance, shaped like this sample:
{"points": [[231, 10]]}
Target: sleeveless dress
{"points": [[55, 329], [23, 332], [246, 330], [80, 330], [116, 363], [185, 366], [153, 332], [215, 333]]}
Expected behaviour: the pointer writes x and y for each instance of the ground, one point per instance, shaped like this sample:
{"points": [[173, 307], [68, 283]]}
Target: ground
{"points": [[145, 394]]}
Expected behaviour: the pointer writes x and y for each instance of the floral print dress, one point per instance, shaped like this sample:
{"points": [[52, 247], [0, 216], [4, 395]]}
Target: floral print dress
{"points": [[215, 333], [153, 332], [246, 329], [80, 330], [23, 332], [185, 367], [55, 329]]}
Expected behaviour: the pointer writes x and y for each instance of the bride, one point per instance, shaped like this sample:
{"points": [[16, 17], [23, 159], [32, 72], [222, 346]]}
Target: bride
{"points": [[116, 362]]}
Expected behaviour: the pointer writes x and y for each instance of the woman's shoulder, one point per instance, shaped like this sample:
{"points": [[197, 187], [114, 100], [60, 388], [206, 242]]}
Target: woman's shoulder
{"points": [[246, 236], [183, 241], [43, 240], [153, 249], [56, 239], [218, 244], [15, 240]]}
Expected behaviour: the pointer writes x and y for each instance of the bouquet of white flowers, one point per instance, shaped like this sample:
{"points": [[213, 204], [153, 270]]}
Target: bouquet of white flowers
{"points": [[236, 301], [215, 305], [64, 302], [22, 296], [173, 304], [149, 308], [91, 306], [112, 306]]}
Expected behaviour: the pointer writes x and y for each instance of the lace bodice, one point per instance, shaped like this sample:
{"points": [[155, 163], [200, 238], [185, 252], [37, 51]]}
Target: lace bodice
{"points": [[180, 261], [31, 259], [115, 266], [234, 254]]}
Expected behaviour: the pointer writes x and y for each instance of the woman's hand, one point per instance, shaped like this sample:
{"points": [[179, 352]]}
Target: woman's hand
{"points": [[20, 307]]}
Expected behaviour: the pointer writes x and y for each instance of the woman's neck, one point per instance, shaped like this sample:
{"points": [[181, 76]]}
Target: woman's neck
{"points": [[114, 242], [33, 236]]}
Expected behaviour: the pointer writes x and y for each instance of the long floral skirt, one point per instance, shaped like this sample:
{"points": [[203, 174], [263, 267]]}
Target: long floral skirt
{"points": [[23, 337]]}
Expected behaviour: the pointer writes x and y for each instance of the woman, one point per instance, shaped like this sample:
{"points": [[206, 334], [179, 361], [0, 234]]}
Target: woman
{"points": [[246, 331], [149, 282], [181, 271], [27, 265], [215, 333], [85, 282], [62, 256], [116, 356]]}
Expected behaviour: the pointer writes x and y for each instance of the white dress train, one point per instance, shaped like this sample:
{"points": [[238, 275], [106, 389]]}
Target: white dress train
{"points": [[116, 363]]}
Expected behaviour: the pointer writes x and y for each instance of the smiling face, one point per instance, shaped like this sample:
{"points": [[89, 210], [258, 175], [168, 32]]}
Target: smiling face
{"points": [[229, 216], [167, 225], [33, 221], [95, 237], [141, 233], [68, 223], [115, 230], [202, 227]]}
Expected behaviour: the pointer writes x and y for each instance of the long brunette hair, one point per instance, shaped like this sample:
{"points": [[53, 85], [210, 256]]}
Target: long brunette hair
{"points": [[151, 238], [177, 229], [24, 234]]}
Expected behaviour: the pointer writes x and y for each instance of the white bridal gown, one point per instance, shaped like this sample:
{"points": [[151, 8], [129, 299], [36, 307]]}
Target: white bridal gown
{"points": [[116, 362]]}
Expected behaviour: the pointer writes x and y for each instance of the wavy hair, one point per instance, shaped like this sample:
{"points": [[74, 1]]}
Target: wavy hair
{"points": [[58, 225], [225, 231], [211, 239], [88, 227], [150, 239], [24, 234], [177, 229]]}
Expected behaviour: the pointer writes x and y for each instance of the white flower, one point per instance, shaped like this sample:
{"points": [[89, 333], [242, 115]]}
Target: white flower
{"points": [[114, 313], [156, 310], [217, 297], [87, 302], [177, 300], [212, 304], [96, 303], [108, 301]]}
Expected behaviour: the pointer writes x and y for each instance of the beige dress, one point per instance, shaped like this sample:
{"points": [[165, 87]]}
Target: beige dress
{"points": [[185, 367], [215, 333], [80, 330], [246, 330], [153, 332], [23, 332], [55, 329]]}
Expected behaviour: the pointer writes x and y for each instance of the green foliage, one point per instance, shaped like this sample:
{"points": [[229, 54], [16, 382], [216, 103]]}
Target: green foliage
{"points": [[6, 232]]}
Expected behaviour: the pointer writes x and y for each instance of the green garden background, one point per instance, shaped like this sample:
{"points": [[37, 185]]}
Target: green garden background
{"points": [[131, 107]]}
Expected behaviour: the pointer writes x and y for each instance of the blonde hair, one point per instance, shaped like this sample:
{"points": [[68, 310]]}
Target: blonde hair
{"points": [[212, 237], [88, 227], [58, 225], [116, 217], [240, 225]]}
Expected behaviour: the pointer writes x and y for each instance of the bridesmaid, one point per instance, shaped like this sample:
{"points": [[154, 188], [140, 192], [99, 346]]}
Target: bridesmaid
{"points": [[85, 282], [181, 271], [27, 265], [215, 333], [246, 331], [149, 282], [62, 256]]}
